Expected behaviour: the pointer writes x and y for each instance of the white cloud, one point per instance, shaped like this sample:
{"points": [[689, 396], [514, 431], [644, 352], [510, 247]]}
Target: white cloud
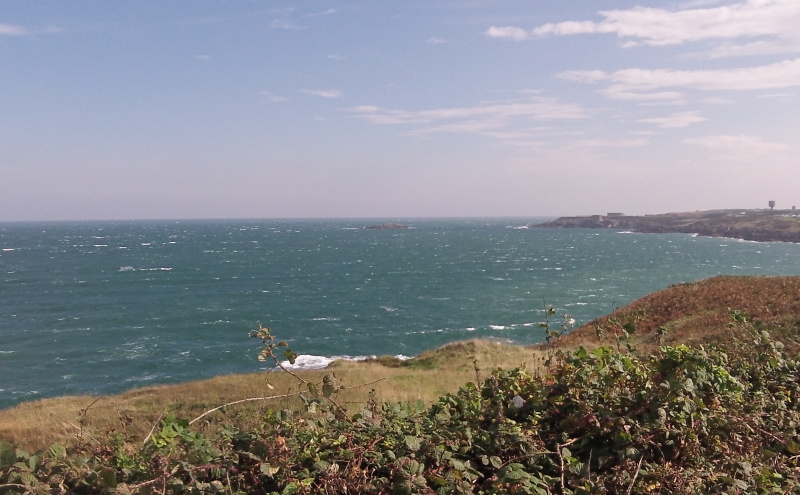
{"points": [[322, 13], [504, 121], [609, 143], [716, 101], [776, 19], [740, 147], [11, 30], [437, 41], [683, 119], [778, 96], [642, 84], [507, 32], [270, 96], [324, 93], [286, 25]]}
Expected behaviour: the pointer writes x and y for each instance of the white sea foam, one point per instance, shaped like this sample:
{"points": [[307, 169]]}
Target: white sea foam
{"points": [[312, 362], [127, 269], [9, 249]]}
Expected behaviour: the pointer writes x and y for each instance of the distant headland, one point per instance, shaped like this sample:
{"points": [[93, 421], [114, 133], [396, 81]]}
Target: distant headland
{"points": [[752, 225]]}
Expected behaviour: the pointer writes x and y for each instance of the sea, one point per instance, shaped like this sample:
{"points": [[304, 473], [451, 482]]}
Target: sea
{"points": [[103, 307]]}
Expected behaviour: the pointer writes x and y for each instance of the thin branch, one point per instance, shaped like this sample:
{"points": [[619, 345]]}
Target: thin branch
{"points": [[243, 400], [152, 429], [80, 430], [636, 475], [561, 458]]}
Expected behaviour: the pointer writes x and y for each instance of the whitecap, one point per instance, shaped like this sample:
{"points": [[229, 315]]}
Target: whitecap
{"points": [[126, 269], [9, 249], [498, 327], [312, 362]]}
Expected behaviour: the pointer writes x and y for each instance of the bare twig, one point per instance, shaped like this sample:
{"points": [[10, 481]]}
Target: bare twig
{"points": [[80, 430], [636, 475], [152, 429], [561, 458], [243, 400]]}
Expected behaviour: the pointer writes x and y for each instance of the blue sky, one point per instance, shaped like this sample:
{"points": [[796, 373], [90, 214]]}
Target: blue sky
{"points": [[364, 108]]}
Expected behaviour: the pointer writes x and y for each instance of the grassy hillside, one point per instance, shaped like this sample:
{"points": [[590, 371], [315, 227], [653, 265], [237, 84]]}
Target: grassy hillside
{"points": [[37, 424], [700, 312]]}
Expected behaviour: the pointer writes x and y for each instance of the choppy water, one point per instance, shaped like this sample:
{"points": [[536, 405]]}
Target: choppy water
{"points": [[103, 307]]}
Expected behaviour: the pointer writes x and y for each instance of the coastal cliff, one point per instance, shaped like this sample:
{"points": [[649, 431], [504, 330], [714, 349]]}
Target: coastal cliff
{"points": [[751, 225]]}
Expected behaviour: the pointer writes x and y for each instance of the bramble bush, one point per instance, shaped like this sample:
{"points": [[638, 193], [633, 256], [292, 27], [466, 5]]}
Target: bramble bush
{"points": [[681, 421]]}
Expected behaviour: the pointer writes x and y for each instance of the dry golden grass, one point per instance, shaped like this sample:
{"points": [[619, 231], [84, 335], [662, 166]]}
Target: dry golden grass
{"points": [[38, 424]]}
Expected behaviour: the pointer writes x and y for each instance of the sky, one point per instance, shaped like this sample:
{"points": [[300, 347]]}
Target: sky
{"points": [[396, 109]]}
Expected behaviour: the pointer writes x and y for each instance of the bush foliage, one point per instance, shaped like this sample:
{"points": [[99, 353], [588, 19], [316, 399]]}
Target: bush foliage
{"points": [[682, 420]]}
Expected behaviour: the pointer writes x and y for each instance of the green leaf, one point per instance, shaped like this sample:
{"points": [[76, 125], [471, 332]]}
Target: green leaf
{"points": [[108, 477], [321, 466], [413, 443], [33, 462], [290, 356], [8, 456], [57, 451]]}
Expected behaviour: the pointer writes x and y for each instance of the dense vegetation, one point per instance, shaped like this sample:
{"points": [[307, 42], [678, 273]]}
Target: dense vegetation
{"points": [[699, 313], [683, 420]]}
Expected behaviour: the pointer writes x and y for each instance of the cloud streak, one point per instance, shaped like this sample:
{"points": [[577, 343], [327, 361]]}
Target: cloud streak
{"points": [[502, 121], [644, 84], [660, 27], [324, 93], [677, 120], [11, 30], [741, 147]]}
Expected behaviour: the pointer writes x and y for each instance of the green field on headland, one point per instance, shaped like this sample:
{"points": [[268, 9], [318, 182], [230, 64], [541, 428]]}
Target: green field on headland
{"points": [[751, 225], [692, 389]]}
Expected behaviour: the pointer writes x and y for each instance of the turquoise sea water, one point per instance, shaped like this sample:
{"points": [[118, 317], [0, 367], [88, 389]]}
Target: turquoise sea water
{"points": [[104, 307]]}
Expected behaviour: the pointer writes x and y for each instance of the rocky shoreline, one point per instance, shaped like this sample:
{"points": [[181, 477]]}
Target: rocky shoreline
{"points": [[751, 225]]}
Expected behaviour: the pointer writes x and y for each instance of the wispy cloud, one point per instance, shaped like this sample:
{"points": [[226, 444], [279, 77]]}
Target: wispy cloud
{"points": [[324, 93], [272, 97], [742, 147], [506, 121], [286, 25], [11, 30], [683, 119], [437, 41], [644, 84], [776, 19], [322, 13]]}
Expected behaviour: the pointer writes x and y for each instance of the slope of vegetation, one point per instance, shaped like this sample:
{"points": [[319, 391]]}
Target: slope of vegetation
{"points": [[699, 312], [609, 418]]}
